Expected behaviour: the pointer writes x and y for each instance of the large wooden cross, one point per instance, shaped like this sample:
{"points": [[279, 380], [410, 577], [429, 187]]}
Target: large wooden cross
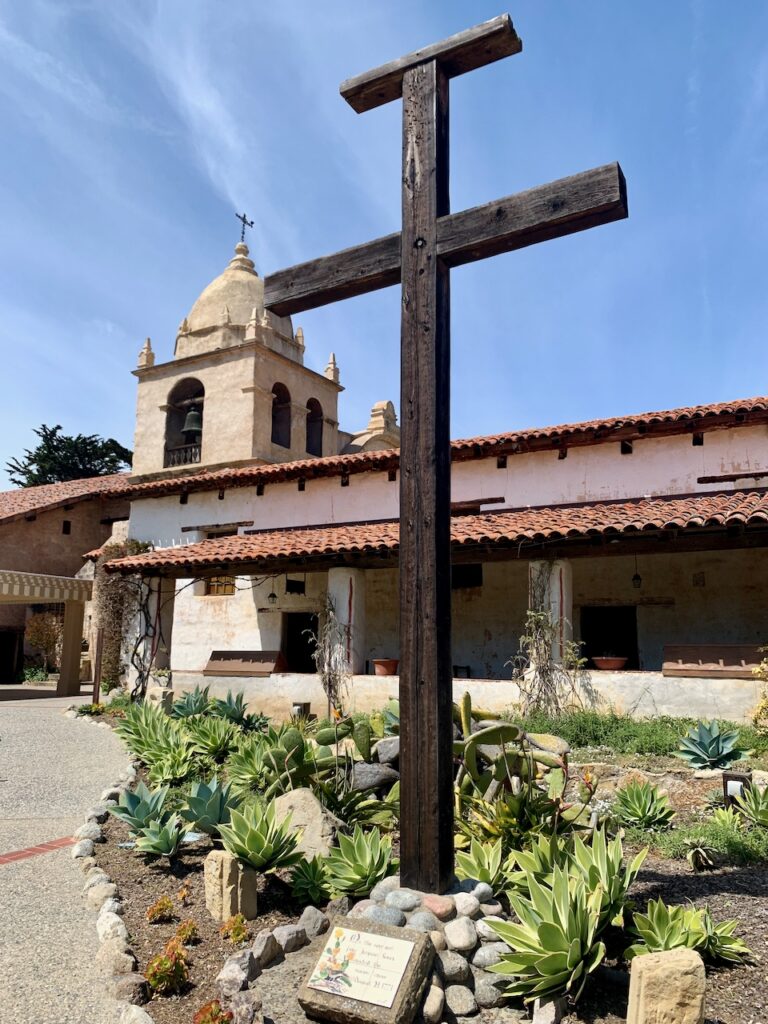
{"points": [[419, 257]]}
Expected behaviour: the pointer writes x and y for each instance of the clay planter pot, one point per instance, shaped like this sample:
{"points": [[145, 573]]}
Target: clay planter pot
{"points": [[609, 664], [385, 666]]}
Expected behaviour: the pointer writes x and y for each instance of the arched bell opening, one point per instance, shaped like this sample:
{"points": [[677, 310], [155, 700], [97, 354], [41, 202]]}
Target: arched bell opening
{"points": [[184, 423], [281, 416], [314, 427]]}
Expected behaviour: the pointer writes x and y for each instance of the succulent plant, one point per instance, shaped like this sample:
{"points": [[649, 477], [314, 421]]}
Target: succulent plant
{"points": [[161, 910], [309, 880], [554, 945], [254, 837], [728, 817], [663, 927], [168, 972], [247, 768], [700, 856], [209, 805], [213, 1013], [753, 804], [148, 732], [232, 708], [173, 765], [236, 930], [642, 805], [538, 863], [212, 737], [601, 865], [359, 862], [141, 806], [161, 839], [187, 932], [484, 862], [707, 746], [194, 702]]}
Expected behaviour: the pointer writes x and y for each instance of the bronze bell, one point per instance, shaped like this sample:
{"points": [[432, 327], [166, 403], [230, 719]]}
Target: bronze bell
{"points": [[193, 424]]}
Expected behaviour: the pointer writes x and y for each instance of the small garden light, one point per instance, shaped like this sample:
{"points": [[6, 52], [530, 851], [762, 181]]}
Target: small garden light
{"points": [[734, 784]]}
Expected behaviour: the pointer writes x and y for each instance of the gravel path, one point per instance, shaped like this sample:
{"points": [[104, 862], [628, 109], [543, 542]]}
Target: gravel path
{"points": [[52, 769]]}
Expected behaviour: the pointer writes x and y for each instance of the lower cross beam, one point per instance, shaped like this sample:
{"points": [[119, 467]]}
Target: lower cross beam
{"points": [[560, 208]]}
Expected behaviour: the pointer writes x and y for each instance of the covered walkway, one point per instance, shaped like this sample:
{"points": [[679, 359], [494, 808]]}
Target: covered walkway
{"points": [[38, 588]]}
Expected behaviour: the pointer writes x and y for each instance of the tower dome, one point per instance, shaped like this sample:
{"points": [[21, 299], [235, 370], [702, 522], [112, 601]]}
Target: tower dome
{"points": [[219, 317]]}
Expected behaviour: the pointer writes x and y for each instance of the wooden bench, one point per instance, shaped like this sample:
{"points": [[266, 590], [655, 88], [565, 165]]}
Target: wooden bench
{"points": [[244, 663], [711, 661]]}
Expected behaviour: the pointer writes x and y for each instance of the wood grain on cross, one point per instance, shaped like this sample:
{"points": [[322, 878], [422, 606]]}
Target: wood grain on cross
{"points": [[419, 257]]}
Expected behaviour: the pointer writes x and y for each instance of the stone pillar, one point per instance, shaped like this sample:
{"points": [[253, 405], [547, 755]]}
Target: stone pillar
{"points": [[667, 988], [69, 675], [550, 588], [346, 588]]}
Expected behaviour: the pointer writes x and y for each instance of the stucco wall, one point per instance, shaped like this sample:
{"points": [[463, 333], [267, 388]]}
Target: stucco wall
{"points": [[40, 545], [237, 409], [641, 694], [665, 466]]}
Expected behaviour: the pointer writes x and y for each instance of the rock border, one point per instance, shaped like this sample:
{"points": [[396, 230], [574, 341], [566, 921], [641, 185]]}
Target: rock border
{"points": [[115, 957]]}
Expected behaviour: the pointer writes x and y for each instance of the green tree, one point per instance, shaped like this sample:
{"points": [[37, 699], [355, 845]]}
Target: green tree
{"points": [[60, 457]]}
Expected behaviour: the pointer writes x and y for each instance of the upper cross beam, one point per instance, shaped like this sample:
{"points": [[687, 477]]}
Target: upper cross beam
{"points": [[473, 48], [549, 211]]}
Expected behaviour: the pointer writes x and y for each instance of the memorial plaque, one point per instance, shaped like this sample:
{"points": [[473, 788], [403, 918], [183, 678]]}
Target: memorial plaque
{"points": [[369, 973]]}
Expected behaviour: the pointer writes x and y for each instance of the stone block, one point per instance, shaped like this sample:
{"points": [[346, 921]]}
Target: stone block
{"points": [[667, 988], [549, 1011], [308, 816], [367, 776], [237, 973], [246, 1007], [110, 926], [460, 1000], [97, 895], [432, 1010], [461, 935], [162, 696], [290, 937], [230, 887]]}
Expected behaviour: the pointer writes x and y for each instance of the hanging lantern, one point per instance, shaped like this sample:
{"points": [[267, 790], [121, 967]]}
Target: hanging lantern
{"points": [[272, 598], [193, 424], [637, 579]]}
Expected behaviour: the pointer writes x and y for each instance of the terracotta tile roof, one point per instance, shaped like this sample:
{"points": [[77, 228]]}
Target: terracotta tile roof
{"points": [[26, 501], [508, 528], [698, 417]]}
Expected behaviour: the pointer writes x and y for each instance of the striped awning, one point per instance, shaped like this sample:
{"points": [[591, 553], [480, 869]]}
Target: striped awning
{"points": [[32, 587]]}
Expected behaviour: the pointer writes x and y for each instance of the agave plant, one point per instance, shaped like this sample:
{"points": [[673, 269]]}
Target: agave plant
{"points": [[247, 768], [538, 863], [662, 928], [753, 804], [309, 880], [173, 765], [484, 862], [148, 732], [254, 837], [232, 709], [161, 839], [707, 746], [141, 806], [642, 805], [212, 737], [194, 702], [700, 856], [554, 947], [727, 817], [209, 805], [601, 865], [359, 862]]}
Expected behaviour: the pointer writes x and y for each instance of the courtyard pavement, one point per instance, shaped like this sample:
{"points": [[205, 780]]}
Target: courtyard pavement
{"points": [[52, 770]]}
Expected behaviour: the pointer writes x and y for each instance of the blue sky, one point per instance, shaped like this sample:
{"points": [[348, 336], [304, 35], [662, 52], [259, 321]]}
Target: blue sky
{"points": [[133, 130]]}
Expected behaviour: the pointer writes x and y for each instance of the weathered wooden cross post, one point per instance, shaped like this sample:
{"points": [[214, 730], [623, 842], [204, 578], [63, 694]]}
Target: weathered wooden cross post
{"points": [[432, 241]]}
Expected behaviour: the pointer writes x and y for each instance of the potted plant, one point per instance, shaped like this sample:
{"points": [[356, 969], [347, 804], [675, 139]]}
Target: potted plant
{"points": [[385, 666], [609, 662]]}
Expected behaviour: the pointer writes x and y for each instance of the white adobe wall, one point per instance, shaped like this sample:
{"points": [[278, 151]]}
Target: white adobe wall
{"points": [[599, 472]]}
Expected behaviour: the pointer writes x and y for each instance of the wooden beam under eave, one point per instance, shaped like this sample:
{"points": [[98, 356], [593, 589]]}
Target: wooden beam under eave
{"points": [[560, 208], [465, 51]]}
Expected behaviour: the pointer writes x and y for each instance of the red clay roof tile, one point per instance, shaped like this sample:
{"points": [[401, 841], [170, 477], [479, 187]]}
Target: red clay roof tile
{"points": [[590, 432], [27, 501], [516, 526]]}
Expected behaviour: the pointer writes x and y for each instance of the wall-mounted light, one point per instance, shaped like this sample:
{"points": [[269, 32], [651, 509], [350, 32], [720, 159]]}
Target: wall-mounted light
{"points": [[734, 785], [637, 579]]}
